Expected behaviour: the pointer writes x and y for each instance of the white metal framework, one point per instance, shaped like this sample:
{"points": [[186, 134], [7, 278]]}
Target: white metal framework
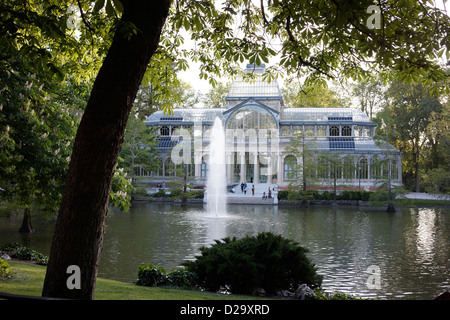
{"points": [[261, 133]]}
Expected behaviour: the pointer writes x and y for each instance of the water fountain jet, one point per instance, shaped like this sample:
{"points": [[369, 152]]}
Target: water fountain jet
{"points": [[216, 185]]}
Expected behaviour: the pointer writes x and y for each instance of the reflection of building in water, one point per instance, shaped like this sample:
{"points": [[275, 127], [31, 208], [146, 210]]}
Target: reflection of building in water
{"points": [[259, 129]]}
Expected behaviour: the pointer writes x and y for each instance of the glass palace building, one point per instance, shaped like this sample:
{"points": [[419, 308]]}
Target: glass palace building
{"points": [[268, 142]]}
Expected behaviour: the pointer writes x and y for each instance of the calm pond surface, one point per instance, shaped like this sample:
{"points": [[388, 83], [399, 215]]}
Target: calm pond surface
{"points": [[409, 248]]}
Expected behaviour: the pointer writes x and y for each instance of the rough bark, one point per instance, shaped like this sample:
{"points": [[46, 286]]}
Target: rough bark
{"points": [[79, 227]]}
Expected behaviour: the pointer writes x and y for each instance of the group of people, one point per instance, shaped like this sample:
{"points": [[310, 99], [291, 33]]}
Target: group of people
{"points": [[267, 196], [264, 196], [244, 188]]}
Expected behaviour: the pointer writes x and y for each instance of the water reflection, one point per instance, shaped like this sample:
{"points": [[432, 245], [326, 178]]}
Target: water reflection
{"points": [[411, 247], [425, 235]]}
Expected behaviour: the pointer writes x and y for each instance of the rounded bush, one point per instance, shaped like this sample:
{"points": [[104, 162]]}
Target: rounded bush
{"points": [[265, 261]]}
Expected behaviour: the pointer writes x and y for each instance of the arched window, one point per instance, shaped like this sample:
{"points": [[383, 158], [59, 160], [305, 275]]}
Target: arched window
{"points": [[290, 168], [251, 117], [346, 131], [164, 131], [363, 168], [394, 169], [334, 131], [349, 167], [323, 167], [175, 131], [376, 167]]}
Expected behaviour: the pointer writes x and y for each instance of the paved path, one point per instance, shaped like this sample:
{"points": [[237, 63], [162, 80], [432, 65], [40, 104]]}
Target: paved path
{"points": [[423, 195], [240, 197]]}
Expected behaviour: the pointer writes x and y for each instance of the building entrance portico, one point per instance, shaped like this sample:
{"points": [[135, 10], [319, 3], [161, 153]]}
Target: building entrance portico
{"points": [[252, 167]]}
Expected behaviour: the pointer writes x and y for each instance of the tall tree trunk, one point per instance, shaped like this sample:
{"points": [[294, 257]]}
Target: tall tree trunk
{"points": [[26, 222], [78, 234]]}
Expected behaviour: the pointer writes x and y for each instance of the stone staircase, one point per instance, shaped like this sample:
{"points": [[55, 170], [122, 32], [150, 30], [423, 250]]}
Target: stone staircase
{"points": [[240, 198]]}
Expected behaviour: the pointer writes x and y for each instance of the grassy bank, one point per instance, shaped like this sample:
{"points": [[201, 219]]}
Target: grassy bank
{"points": [[28, 279]]}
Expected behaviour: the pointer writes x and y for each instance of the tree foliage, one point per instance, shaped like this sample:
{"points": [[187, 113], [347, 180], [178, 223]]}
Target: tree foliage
{"points": [[370, 96], [320, 97], [138, 148], [37, 129], [316, 40], [408, 116]]}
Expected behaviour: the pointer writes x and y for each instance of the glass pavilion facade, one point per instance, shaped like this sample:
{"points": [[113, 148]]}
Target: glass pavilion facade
{"points": [[266, 142]]}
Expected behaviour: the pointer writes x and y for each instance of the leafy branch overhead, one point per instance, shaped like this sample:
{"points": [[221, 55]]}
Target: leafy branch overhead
{"points": [[315, 41], [318, 41]]}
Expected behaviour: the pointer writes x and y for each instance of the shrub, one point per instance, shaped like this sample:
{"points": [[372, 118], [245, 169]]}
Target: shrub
{"points": [[176, 193], [264, 261], [300, 195], [365, 195], [354, 195], [154, 276], [196, 194], [140, 192], [326, 195], [151, 276], [282, 194], [24, 253], [5, 269], [320, 295], [181, 278], [160, 194]]}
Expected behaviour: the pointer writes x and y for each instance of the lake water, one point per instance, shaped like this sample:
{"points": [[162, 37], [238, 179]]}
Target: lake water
{"points": [[410, 249]]}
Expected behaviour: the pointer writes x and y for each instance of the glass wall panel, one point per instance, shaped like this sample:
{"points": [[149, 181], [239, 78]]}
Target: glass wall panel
{"points": [[321, 130], [363, 168], [286, 131], [334, 131], [349, 168], [251, 118], [297, 130], [309, 131], [290, 168], [164, 131], [346, 131]]}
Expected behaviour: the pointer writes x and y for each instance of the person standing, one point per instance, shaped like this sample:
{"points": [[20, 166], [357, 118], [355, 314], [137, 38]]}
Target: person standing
{"points": [[253, 190]]}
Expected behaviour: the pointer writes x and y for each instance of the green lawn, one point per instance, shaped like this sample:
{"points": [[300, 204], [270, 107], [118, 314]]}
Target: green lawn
{"points": [[28, 279]]}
